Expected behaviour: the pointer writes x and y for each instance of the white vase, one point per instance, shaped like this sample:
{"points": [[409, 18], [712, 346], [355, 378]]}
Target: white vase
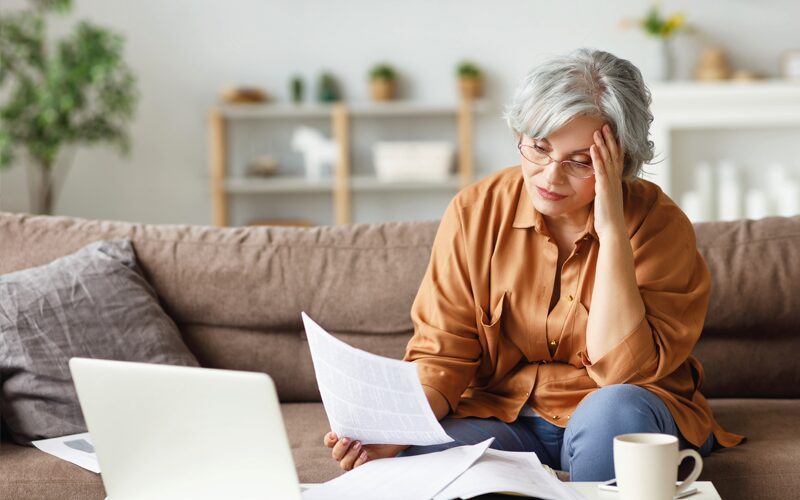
{"points": [[661, 59]]}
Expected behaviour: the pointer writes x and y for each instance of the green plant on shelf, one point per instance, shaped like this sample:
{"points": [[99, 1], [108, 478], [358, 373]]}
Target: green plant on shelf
{"points": [[468, 69], [328, 90], [382, 71]]}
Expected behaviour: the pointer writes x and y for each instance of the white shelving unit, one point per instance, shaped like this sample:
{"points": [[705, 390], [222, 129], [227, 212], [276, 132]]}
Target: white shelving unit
{"points": [[370, 183], [745, 115], [353, 172]]}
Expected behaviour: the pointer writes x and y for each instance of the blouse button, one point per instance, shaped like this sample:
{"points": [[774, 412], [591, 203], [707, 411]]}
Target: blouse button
{"points": [[555, 417]]}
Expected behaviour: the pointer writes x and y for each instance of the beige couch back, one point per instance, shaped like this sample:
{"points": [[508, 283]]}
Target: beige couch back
{"points": [[237, 293], [752, 332]]}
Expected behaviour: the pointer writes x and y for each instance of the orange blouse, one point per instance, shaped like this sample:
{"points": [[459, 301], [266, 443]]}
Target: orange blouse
{"points": [[484, 338]]}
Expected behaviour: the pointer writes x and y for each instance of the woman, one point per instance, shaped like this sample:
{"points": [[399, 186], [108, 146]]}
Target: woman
{"points": [[564, 297]]}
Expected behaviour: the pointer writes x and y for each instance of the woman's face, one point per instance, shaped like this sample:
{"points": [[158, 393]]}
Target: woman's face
{"points": [[555, 194]]}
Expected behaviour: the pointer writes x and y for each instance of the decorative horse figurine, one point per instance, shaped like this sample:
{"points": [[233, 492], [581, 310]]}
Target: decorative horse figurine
{"points": [[317, 150]]}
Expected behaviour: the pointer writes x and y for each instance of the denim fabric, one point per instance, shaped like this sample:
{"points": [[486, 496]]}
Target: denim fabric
{"points": [[585, 447]]}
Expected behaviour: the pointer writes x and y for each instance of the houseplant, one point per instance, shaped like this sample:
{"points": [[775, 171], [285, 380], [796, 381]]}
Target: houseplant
{"points": [[660, 30], [382, 82], [54, 97], [296, 88], [328, 88], [470, 83]]}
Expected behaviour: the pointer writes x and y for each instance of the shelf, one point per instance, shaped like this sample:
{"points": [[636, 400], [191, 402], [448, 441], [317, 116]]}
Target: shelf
{"points": [[410, 108], [343, 185], [357, 109], [728, 105], [256, 185], [723, 92], [233, 111], [284, 185], [371, 183]]}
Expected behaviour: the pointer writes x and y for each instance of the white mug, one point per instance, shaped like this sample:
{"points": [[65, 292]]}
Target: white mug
{"points": [[646, 466]]}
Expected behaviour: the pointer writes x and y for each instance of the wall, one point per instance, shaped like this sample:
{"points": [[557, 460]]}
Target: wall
{"points": [[185, 51]]}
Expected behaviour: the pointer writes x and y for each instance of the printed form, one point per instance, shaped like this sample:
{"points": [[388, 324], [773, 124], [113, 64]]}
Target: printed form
{"points": [[419, 477], [461, 472], [368, 397]]}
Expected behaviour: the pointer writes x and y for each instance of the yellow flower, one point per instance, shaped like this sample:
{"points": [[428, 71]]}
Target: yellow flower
{"points": [[673, 23], [655, 25]]}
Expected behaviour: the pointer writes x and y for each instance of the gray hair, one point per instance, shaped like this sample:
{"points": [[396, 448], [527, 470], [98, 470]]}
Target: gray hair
{"points": [[587, 82]]}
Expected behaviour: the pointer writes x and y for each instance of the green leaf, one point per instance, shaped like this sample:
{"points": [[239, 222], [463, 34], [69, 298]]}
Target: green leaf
{"points": [[80, 92], [60, 6], [6, 149]]}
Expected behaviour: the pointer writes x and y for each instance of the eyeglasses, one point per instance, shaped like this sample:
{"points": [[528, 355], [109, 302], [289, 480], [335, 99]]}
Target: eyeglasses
{"points": [[539, 156]]}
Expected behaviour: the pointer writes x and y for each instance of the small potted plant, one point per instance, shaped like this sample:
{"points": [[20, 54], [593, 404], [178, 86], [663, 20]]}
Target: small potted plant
{"points": [[328, 88], [469, 80], [382, 82], [296, 88], [660, 29]]}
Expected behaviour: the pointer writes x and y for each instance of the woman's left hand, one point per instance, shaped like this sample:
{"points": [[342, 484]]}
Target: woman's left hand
{"points": [[607, 159]]}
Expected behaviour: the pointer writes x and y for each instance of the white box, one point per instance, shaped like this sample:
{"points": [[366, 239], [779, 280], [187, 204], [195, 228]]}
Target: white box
{"points": [[413, 161]]}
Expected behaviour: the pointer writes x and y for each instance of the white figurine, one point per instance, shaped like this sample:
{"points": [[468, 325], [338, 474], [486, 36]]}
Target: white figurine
{"points": [[317, 150]]}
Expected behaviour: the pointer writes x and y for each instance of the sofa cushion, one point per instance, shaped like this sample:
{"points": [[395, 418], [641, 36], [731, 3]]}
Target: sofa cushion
{"points": [[27, 473], [752, 329], [754, 276], [284, 355], [766, 465], [750, 367], [93, 303], [306, 424], [358, 278], [237, 293]]}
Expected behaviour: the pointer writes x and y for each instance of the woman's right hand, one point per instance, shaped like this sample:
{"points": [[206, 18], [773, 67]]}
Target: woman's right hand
{"points": [[351, 453]]}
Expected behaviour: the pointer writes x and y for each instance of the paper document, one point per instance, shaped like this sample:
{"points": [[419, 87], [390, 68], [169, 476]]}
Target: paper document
{"points": [[368, 397], [419, 477], [508, 472], [76, 448]]}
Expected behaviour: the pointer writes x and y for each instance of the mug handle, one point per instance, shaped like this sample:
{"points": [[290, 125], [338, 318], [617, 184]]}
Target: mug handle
{"points": [[698, 468]]}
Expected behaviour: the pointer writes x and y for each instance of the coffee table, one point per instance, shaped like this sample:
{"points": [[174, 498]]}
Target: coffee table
{"points": [[705, 491]]}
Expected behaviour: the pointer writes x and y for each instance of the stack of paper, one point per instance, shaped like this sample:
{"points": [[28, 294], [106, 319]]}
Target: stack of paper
{"points": [[461, 472], [380, 400]]}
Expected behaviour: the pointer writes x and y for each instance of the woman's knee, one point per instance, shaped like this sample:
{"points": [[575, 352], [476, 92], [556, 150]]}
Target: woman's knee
{"points": [[604, 414], [623, 408]]}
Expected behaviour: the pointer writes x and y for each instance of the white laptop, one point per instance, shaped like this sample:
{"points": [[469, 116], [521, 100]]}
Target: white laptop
{"points": [[174, 432]]}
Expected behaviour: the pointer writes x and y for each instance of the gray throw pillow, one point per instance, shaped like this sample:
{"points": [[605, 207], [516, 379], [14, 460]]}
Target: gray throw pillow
{"points": [[94, 303]]}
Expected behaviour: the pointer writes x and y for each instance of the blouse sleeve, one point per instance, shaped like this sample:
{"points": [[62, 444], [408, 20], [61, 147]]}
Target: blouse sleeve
{"points": [[674, 283], [445, 343]]}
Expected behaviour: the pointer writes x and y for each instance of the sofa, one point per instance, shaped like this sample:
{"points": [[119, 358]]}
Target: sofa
{"points": [[236, 295]]}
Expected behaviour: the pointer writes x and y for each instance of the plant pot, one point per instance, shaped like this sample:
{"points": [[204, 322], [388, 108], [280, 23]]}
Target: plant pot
{"points": [[382, 89], [470, 87], [661, 59]]}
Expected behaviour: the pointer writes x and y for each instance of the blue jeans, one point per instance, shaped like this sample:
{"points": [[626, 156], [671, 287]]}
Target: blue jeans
{"points": [[585, 447]]}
